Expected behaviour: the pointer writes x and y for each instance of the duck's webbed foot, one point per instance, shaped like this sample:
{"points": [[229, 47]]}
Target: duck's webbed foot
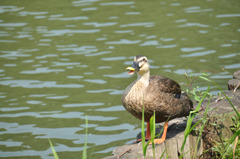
{"points": [[148, 134], [140, 140], [162, 139]]}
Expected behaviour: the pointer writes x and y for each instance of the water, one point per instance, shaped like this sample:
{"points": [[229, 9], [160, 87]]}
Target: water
{"points": [[64, 60]]}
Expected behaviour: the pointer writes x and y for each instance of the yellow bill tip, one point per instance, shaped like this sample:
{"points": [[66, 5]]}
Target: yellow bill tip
{"points": [[130, 69]]}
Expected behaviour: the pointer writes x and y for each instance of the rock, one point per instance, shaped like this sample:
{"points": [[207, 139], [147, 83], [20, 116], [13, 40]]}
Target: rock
{"points": [[236, 75], [233, 84]]}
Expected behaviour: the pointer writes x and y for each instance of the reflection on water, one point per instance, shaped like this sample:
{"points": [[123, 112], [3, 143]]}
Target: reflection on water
{"points": [[61, 62]]}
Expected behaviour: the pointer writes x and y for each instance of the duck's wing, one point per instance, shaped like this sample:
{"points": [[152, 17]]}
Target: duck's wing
{"points": [[163, 97], [165, 85]]}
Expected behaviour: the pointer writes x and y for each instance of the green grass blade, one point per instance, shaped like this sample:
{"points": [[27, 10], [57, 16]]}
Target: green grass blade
{"points": [[53, 150], [232, 139], [204, 119], [162, 154], [84, 154], [190, 119], [143, 134], [153, 131], [182, 155]]}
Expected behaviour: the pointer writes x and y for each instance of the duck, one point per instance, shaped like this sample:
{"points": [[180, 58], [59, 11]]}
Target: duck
{"points": [[158, 94]]}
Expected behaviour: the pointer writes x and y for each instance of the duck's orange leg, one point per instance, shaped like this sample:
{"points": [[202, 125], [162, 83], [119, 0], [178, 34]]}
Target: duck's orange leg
{"points": [[162, 139], [148, 134]]}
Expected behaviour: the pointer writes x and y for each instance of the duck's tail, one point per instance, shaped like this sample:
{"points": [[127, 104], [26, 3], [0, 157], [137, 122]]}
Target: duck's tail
{"points": [[188, 101]]}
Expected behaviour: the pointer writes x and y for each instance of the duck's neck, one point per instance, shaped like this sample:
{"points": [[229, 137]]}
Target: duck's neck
{"points": [[144, 78]]}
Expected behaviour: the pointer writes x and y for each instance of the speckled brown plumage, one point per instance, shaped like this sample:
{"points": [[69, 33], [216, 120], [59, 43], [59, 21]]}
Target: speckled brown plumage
{"points": [[157, 93]]}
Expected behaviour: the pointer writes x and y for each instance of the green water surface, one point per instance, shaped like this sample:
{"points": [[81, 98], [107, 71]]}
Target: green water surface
{"points": [[61, 61]]}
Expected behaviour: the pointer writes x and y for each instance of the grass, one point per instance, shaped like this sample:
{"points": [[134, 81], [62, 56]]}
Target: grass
{"points": [[192, 114], [220, 148]]}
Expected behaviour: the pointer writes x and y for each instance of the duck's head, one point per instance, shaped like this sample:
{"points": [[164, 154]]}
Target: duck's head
{"points": [[140, 65]]}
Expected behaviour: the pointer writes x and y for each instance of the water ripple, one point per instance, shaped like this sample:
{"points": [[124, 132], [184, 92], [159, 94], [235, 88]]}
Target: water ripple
{"points": [[111, 109], [78, 50], [8, 109], [82, 105], [187, 49], [83, 2], [40, 95], [113, 58], [34, 102], [61, 32], [167, 46], [199, 53], [151, 42], [115, 127], [146, 24], [221, 77], [104, 67], [37, 84], [227, 15], [10, 9], [68, 132], [12, 24], [116, 3], [133, 13], [68, 115], [112, 91], [75, 77], [8, 41], [69, 18], [57, 97], [124, 41], [98, 53], [196, 10], [42, 70], [25, 13], [11, 143], [65, 63], [229, 55], [120, 75], [194, 24], [233, 66], [123, 31], [89, 9], [106, 139], [14, 54], [97, 81], [95, 24]]}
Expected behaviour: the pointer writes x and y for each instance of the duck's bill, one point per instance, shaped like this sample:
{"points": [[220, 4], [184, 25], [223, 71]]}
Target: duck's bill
{"points": [[131, 70]]}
